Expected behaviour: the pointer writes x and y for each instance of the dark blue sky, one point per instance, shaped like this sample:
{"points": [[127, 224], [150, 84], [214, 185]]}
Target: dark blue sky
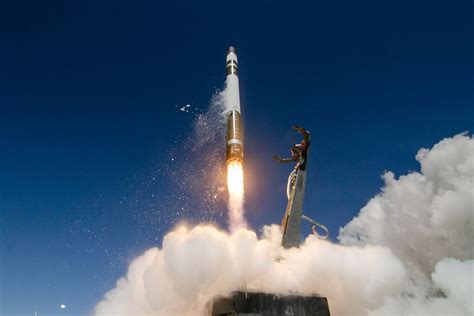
{"points": [[89, 93]]}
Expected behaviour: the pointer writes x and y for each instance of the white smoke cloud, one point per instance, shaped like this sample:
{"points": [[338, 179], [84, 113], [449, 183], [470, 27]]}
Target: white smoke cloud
{"points": [[423, 217], [455, 282], [408, 252], [196, 264]]}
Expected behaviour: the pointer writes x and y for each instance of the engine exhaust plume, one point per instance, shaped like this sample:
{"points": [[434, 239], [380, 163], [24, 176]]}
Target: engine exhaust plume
{"points": [[235, 187]]}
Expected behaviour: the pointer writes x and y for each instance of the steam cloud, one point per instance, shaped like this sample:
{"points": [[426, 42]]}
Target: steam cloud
{"points": [[408, 252]]}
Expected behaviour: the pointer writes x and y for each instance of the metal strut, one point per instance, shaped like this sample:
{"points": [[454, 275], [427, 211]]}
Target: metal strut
{"points": [[291, 181], [314, 227]]}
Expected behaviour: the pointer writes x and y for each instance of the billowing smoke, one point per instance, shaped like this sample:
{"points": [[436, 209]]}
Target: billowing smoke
{"points": [[425, 218], [408, 252], [196, 264]]}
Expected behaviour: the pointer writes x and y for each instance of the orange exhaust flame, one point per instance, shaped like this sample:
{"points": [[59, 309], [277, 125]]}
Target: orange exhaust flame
{"points": [[235, 187]]}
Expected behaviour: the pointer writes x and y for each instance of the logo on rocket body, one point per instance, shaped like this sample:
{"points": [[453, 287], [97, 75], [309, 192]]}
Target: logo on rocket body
{"points": [[234, 120]]}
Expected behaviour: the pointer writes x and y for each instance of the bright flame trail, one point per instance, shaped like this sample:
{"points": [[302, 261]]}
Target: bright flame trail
{"points": [[235, 187]]}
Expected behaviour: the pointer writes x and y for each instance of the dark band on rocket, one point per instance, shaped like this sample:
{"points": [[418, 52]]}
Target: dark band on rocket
{"points": [[232, 69], [234, 137]]}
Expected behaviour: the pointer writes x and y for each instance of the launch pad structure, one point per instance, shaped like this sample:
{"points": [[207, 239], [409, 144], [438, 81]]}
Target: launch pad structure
{"points": [[266, 304]]}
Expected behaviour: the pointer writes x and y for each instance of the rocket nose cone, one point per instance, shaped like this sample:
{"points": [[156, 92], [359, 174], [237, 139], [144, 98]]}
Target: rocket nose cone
{"points": [[231, 49]]}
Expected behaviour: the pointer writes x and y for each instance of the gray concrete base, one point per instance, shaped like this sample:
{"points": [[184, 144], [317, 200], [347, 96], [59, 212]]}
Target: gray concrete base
{"points": [[266, 304]]}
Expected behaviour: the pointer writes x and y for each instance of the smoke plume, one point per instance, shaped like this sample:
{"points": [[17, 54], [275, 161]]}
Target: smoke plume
{"points": [[408, 252]]}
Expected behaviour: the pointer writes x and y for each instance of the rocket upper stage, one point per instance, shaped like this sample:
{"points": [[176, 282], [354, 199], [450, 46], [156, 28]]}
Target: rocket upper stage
{"points": [[232, 65], [234, 120]]}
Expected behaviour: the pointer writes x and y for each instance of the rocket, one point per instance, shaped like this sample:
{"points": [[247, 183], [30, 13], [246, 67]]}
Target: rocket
{"points": [[234, 121]]}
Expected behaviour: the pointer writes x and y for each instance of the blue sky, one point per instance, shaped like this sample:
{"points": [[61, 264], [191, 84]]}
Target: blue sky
{"points": [[89, 98]]}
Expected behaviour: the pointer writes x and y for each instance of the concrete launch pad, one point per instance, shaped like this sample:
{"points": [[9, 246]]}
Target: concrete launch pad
{"points": [[266, 304]]}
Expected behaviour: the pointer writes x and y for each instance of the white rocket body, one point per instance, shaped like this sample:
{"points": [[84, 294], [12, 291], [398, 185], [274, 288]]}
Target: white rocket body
{"points": [[232, 96], [234, 120]]}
